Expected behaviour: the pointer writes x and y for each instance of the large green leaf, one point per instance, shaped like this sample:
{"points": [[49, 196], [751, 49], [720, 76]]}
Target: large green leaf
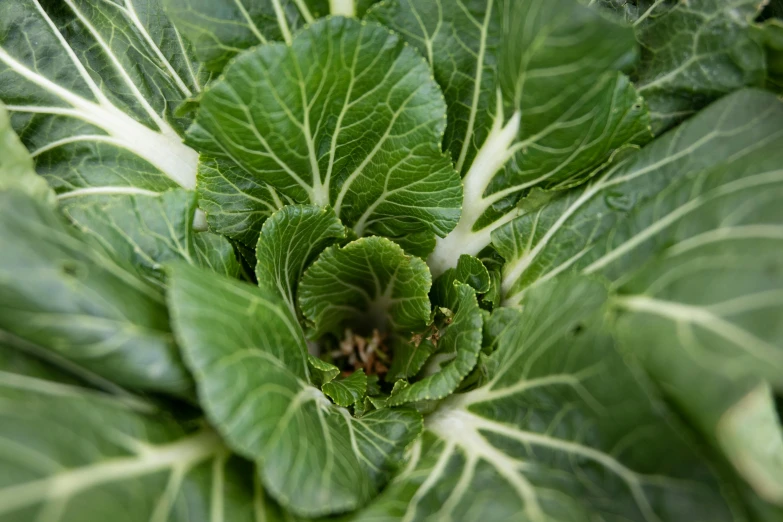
{"points": [[219, 29], [94, 87], [151, 230], [709, 304], [696, 257], [692, 53], [559, 235], [16, 165], [369, 283], [249, 358], [75, 455], [533, 99], [565, 430], [62, 292], [346, 116], [289, 241]]}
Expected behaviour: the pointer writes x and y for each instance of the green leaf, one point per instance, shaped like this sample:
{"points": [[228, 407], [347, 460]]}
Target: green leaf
{"points": [[289, 241], [14, 360], [471, 271], [693, 53], [772, 36], [362, 6], [219, 29], [93, 88], [750, 434], [564, 430], [759, 510], [533, 100], [346, 116], [62, 292], [249, 357], [562, 235], [696, 258], [378, 401], [23, 357], [420, 244], [152, 230], [409, 357], [16, 166], [348, 391], [493, 297], [709, 303], [369, 283], [72, 454], [321, 372], [460, 341]]}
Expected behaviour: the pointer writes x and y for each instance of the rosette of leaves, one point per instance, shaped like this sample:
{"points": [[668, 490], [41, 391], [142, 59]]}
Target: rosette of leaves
{"points": [[420, 261]]}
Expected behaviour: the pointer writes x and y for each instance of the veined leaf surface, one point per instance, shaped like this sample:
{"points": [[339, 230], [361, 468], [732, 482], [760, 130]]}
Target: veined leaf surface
{"points": [[689, 231], [369, 283], [560, 234], [458, 345], [289, 241], [533, 99], [93, 87], [346, 116], [550, 437], [63, 292], [348, 391], [151, 230], [74, 454], [219, 29], [249, 358], [692, 53]]}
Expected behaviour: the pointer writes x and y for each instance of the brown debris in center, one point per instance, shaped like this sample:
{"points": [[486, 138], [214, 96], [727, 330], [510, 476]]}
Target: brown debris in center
{"points": [[368, 353]]}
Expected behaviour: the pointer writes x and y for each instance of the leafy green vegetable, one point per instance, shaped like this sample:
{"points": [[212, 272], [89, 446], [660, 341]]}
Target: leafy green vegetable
{"points": [[151, 230], [458, 346], [695, 212], [551, 437], [692, 53], [97, 108], [75, 454], [16, 166], [219, 29], [357, 135], [348, 391], [314, 458], [369, 283], [289, 241], [499, 66], [567, 232], [418, 261], [321, 372], [64, 293]]}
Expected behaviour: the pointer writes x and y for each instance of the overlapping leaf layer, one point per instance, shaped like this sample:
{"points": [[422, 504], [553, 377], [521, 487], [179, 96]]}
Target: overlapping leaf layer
{"points": [[432, 260]]}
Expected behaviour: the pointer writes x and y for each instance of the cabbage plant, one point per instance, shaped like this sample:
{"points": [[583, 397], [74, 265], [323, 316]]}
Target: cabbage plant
{"points": [[407, 260]]}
